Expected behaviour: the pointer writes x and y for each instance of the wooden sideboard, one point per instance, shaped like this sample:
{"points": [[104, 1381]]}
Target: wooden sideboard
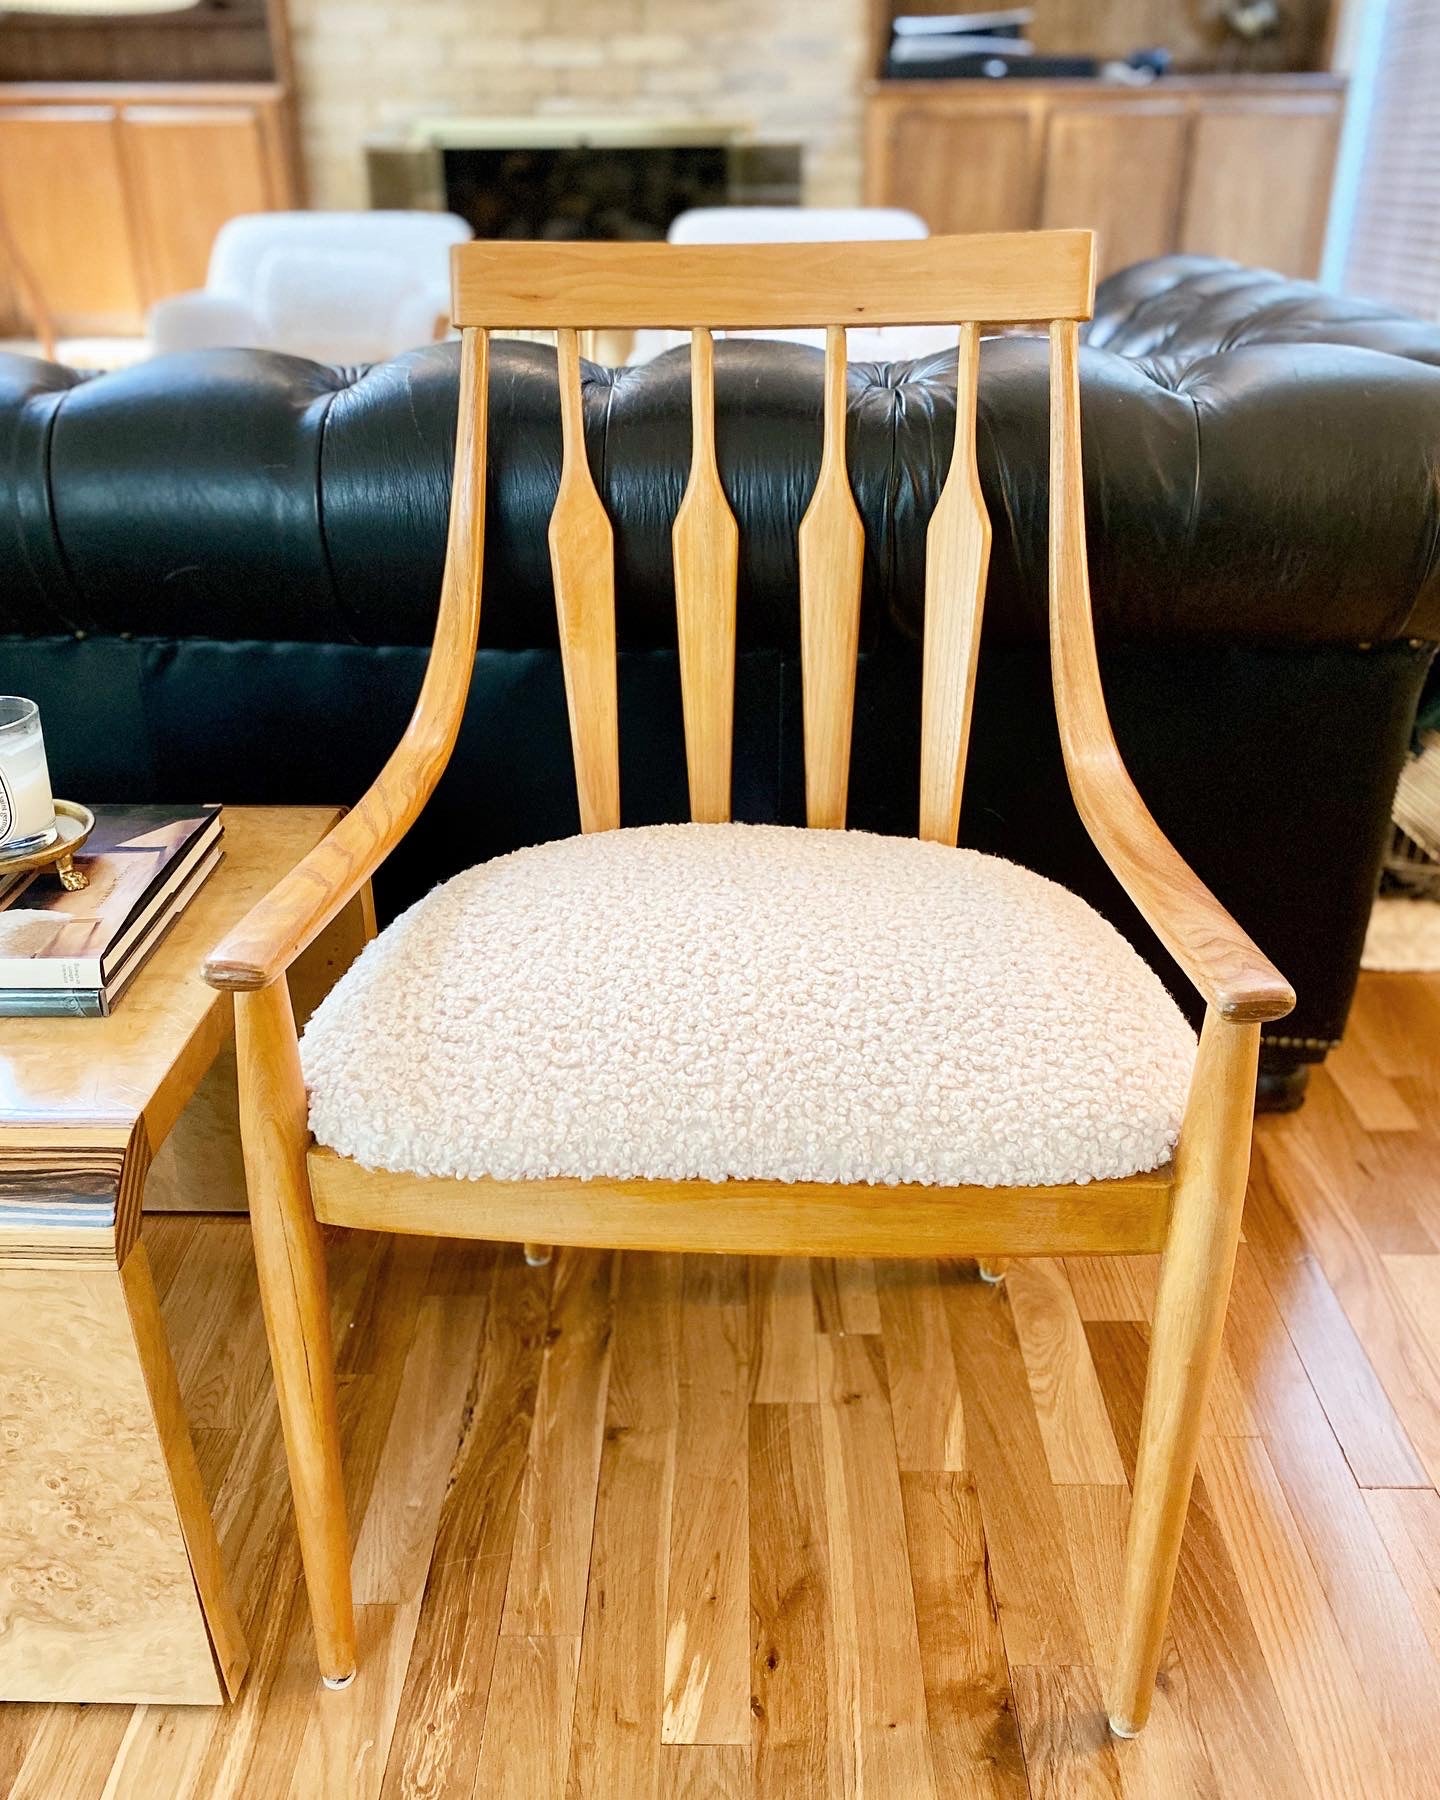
{"points": [[1225, 166], [113, 194]]}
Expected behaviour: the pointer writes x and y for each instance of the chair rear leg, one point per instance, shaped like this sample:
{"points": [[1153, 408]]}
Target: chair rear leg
{"points": [[1212, 1164], [290, 1261]]}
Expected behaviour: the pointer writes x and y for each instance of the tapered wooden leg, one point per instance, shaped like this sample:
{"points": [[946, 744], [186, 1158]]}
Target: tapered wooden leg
{"points": [[537, 1255], [992, 1268], [290, 1260], [1212, 1163]]}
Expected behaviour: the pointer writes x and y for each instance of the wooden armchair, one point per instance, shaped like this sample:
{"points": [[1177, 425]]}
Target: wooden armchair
{"points": [[1188, 1206]]}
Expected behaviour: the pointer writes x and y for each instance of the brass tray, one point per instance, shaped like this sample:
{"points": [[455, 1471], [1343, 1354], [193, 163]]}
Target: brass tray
{"points": [[73, 826]]}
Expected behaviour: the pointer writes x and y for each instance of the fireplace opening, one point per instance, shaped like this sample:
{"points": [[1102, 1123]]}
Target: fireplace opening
{"points": [[556, 180], [583, 192]]}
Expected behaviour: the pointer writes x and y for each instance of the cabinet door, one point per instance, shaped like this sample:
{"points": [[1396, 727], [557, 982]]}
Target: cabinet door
{"points": [[1117, 170], [1259, 185], [969, 168], [63, 192], [192, 168]]}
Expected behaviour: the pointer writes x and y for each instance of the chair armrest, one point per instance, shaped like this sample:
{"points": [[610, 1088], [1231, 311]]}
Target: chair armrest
{"points": [[1227, 968], [297, 909], [278, 928], [203, 321]]}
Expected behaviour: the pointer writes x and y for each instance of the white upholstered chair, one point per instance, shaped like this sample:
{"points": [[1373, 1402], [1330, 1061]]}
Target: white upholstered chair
{"points": [[336, 286], [807, 225], [717, 1037], [795, 225]]}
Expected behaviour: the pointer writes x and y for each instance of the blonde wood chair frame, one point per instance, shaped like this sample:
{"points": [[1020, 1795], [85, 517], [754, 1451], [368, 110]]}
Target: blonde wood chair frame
{"points": [[1190, 1210]]}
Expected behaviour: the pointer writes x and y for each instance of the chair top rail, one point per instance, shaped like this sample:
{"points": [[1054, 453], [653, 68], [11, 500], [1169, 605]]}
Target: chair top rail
{"points": [[1011, 277]]}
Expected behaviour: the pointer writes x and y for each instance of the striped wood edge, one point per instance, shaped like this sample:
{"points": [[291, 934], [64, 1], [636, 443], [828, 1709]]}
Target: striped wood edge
{"points": [[70, 1196]]}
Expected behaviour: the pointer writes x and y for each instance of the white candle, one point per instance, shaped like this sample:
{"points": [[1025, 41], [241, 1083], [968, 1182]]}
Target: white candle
{"points": [[27, 810]]}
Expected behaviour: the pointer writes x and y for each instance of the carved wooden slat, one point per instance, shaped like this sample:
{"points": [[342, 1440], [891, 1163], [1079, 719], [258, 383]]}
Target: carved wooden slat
{"points": [[832, 553], [706, 548], [582, 563], [957, 556]]}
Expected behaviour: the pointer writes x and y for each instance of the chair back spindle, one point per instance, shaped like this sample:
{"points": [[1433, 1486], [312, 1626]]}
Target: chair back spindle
{"points": [[1002, 278], [832, 556], [582, 564], [957, 557], [705, 544]]}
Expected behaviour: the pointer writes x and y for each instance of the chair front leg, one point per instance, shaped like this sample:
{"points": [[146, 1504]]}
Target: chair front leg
{"points": [[290, 1262], [1212, 1165]]}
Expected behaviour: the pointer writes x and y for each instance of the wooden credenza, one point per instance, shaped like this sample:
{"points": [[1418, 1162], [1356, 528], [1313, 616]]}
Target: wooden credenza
{"points": [[114, 194], [1237, 167]]}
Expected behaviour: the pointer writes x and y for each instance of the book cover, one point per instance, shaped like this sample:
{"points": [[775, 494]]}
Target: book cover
{"points": [[136, 860], [99, 1003]]}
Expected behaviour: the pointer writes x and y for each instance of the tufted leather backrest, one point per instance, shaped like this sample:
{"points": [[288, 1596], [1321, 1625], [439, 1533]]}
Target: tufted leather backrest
{"points": [[1259, 457], [1176, 310]]}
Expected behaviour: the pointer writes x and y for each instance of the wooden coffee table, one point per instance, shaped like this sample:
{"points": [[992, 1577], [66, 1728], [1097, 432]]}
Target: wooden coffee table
{"points": [[111, 1584]]}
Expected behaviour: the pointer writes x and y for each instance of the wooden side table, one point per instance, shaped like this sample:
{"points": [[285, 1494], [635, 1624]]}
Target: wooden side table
{"points": [[111, 1584]]}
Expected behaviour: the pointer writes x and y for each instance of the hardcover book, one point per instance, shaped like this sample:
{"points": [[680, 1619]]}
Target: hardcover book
{"points": [[64, 952]]}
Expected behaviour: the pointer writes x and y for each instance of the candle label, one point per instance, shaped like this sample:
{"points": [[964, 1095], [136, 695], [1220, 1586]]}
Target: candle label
{"points": [[7, 809]]}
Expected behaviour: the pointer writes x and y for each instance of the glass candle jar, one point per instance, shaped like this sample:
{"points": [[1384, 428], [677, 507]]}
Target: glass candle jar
{"points": [[27, 810]]}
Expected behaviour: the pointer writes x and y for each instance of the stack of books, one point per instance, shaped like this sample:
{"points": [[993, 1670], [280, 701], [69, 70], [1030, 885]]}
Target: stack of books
{"points": [[931, 42], [75, 953], [934, 46]]}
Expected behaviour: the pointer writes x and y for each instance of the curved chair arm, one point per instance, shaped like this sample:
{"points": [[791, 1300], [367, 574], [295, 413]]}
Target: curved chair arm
{"points": [[1230, 972], [278, 928]]}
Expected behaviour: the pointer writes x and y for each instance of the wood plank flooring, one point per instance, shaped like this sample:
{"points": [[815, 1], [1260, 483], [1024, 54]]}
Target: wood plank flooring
{"points": [[663, 1528]]}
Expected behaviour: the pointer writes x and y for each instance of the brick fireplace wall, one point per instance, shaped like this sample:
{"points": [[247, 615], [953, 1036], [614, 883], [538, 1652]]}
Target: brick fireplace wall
{"points": [[790, 68]]}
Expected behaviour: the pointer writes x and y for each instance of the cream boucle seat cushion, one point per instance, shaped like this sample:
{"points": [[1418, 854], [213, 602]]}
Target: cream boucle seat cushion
{"points": [[750, 1001]]}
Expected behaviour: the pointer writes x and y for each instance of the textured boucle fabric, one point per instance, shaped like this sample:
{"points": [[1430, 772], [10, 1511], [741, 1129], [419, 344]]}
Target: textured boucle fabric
{"points": [[750, 1001]]}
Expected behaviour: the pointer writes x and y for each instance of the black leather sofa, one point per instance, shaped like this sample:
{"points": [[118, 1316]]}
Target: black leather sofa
{"points": [[218, 572]]}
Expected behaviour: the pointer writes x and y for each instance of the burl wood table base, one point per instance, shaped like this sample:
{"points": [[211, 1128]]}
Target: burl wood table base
{"points": [[111, 1584]]}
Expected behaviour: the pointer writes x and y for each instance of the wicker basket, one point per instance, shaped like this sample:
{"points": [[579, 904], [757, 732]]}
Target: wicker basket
{"points": [[1412, 863]]}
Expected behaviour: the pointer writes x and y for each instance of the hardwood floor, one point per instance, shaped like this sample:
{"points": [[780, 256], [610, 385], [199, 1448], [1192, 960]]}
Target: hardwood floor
{"points": [[658, 1527]]}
